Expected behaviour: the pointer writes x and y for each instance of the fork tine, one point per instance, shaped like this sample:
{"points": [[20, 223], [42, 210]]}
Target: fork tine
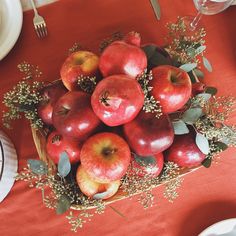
{"points": [[37, 31], [41, 31], [44, 29]]}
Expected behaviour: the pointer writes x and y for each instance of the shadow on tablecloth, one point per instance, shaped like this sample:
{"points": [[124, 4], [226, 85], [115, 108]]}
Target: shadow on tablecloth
{"points": [[205, 215]]}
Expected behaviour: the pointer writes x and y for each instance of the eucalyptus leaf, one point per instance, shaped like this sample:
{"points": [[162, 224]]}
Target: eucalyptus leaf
{"points": [[211, 90], [192, 77], [202, 143], [102, 195], [200, 49], [207, 162], [64, 165], [191, 52], [205, 96], [180, 127], [188, 67], [192, 115], [198, 73], [37, 166], [149, 50], [222, 146], [207, 64], [145, 160], [63, 204]]}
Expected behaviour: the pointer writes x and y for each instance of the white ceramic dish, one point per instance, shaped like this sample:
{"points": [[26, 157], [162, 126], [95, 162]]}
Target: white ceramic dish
{"points": [[8, 165], [222, 228], [10, 25]]}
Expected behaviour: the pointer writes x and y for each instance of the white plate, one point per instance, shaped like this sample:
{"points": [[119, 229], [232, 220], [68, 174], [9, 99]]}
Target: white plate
{"points": [[10, 25], [222, 228], [8, 165]]}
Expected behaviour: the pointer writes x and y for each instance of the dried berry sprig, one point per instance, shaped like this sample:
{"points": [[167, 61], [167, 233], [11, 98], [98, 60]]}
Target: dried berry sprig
{"points": [[87, 83], [137, 182], [181, 46], [75, 48], [171, 175], [150, 103], [23, 99], [114, 37], [39, 176], [30, 71]]}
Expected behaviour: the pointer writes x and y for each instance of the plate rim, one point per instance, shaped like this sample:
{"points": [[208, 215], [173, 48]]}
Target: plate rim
{"points": [[12, 41], [208, 230]]}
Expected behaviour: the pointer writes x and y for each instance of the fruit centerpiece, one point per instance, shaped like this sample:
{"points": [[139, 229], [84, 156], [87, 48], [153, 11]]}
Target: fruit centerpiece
{"points": [[118, 124]]}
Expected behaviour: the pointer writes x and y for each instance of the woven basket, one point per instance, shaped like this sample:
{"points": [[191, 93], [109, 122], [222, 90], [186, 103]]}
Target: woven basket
{"points": [[40, 143]]}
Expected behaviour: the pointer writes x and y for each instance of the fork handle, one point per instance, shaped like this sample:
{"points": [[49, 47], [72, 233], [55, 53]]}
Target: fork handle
{"points": [[34, 7]]}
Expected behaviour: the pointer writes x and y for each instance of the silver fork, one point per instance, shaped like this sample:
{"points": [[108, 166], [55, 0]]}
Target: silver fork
{"points": [[39, 23]]}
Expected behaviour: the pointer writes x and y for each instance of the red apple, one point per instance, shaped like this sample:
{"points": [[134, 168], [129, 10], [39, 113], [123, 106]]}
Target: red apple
{"points": [[184, 151], [197, 88], [148, 135], [123, 57], [73, 115], [105, 157], [56, 144], [171, 87], [94, 189], [80, 63], [51, 94], [148, 165], [117, 99]]}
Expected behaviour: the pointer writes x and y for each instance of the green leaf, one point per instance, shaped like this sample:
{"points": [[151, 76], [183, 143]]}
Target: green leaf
{"points": [[192, 77], [38, 167], [180, 127], [149, 50], [207, 64], [198, 73], [207, 162], [200, 49], [64, 165], [145, 161], [188, 67], [222, 146], [211, 90], [205, 96], [102, 195], [63, 204], [202, 143], [192, 115]]}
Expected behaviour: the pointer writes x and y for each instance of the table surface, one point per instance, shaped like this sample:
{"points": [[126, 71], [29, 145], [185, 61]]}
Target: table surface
{"points": [[206, 196]]}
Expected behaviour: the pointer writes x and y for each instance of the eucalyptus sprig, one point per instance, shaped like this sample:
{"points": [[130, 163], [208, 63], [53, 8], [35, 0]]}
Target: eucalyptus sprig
{"points": [[187, 50], [150, 103], [207, 113], [24, 97]]}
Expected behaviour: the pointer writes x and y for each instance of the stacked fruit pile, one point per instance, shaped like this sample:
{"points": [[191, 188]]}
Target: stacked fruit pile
{"points": [[105, 127]]}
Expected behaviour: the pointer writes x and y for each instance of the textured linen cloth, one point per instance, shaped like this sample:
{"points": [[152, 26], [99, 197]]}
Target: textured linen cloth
{"points": [[205, 197]]}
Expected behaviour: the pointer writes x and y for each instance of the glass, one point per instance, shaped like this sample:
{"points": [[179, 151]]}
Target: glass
{"points": [[207, 7]]}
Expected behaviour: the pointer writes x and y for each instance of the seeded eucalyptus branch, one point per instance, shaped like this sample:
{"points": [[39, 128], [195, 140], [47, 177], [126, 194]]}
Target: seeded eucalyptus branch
{"points": [[207, 114], [115, 36], [23, 99], [87, 83], [186, 50], [150, 104]]}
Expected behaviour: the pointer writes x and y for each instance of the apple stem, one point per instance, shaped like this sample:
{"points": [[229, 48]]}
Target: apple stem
{"points": [[195, 76], [109, 151], [63, 111]]}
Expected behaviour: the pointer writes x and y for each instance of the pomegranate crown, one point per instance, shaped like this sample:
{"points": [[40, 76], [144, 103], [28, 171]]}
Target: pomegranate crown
{"points": [[133, 38]]}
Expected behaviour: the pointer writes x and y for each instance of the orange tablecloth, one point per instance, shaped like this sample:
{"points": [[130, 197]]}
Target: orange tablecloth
{"points": [[206, 196]]}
